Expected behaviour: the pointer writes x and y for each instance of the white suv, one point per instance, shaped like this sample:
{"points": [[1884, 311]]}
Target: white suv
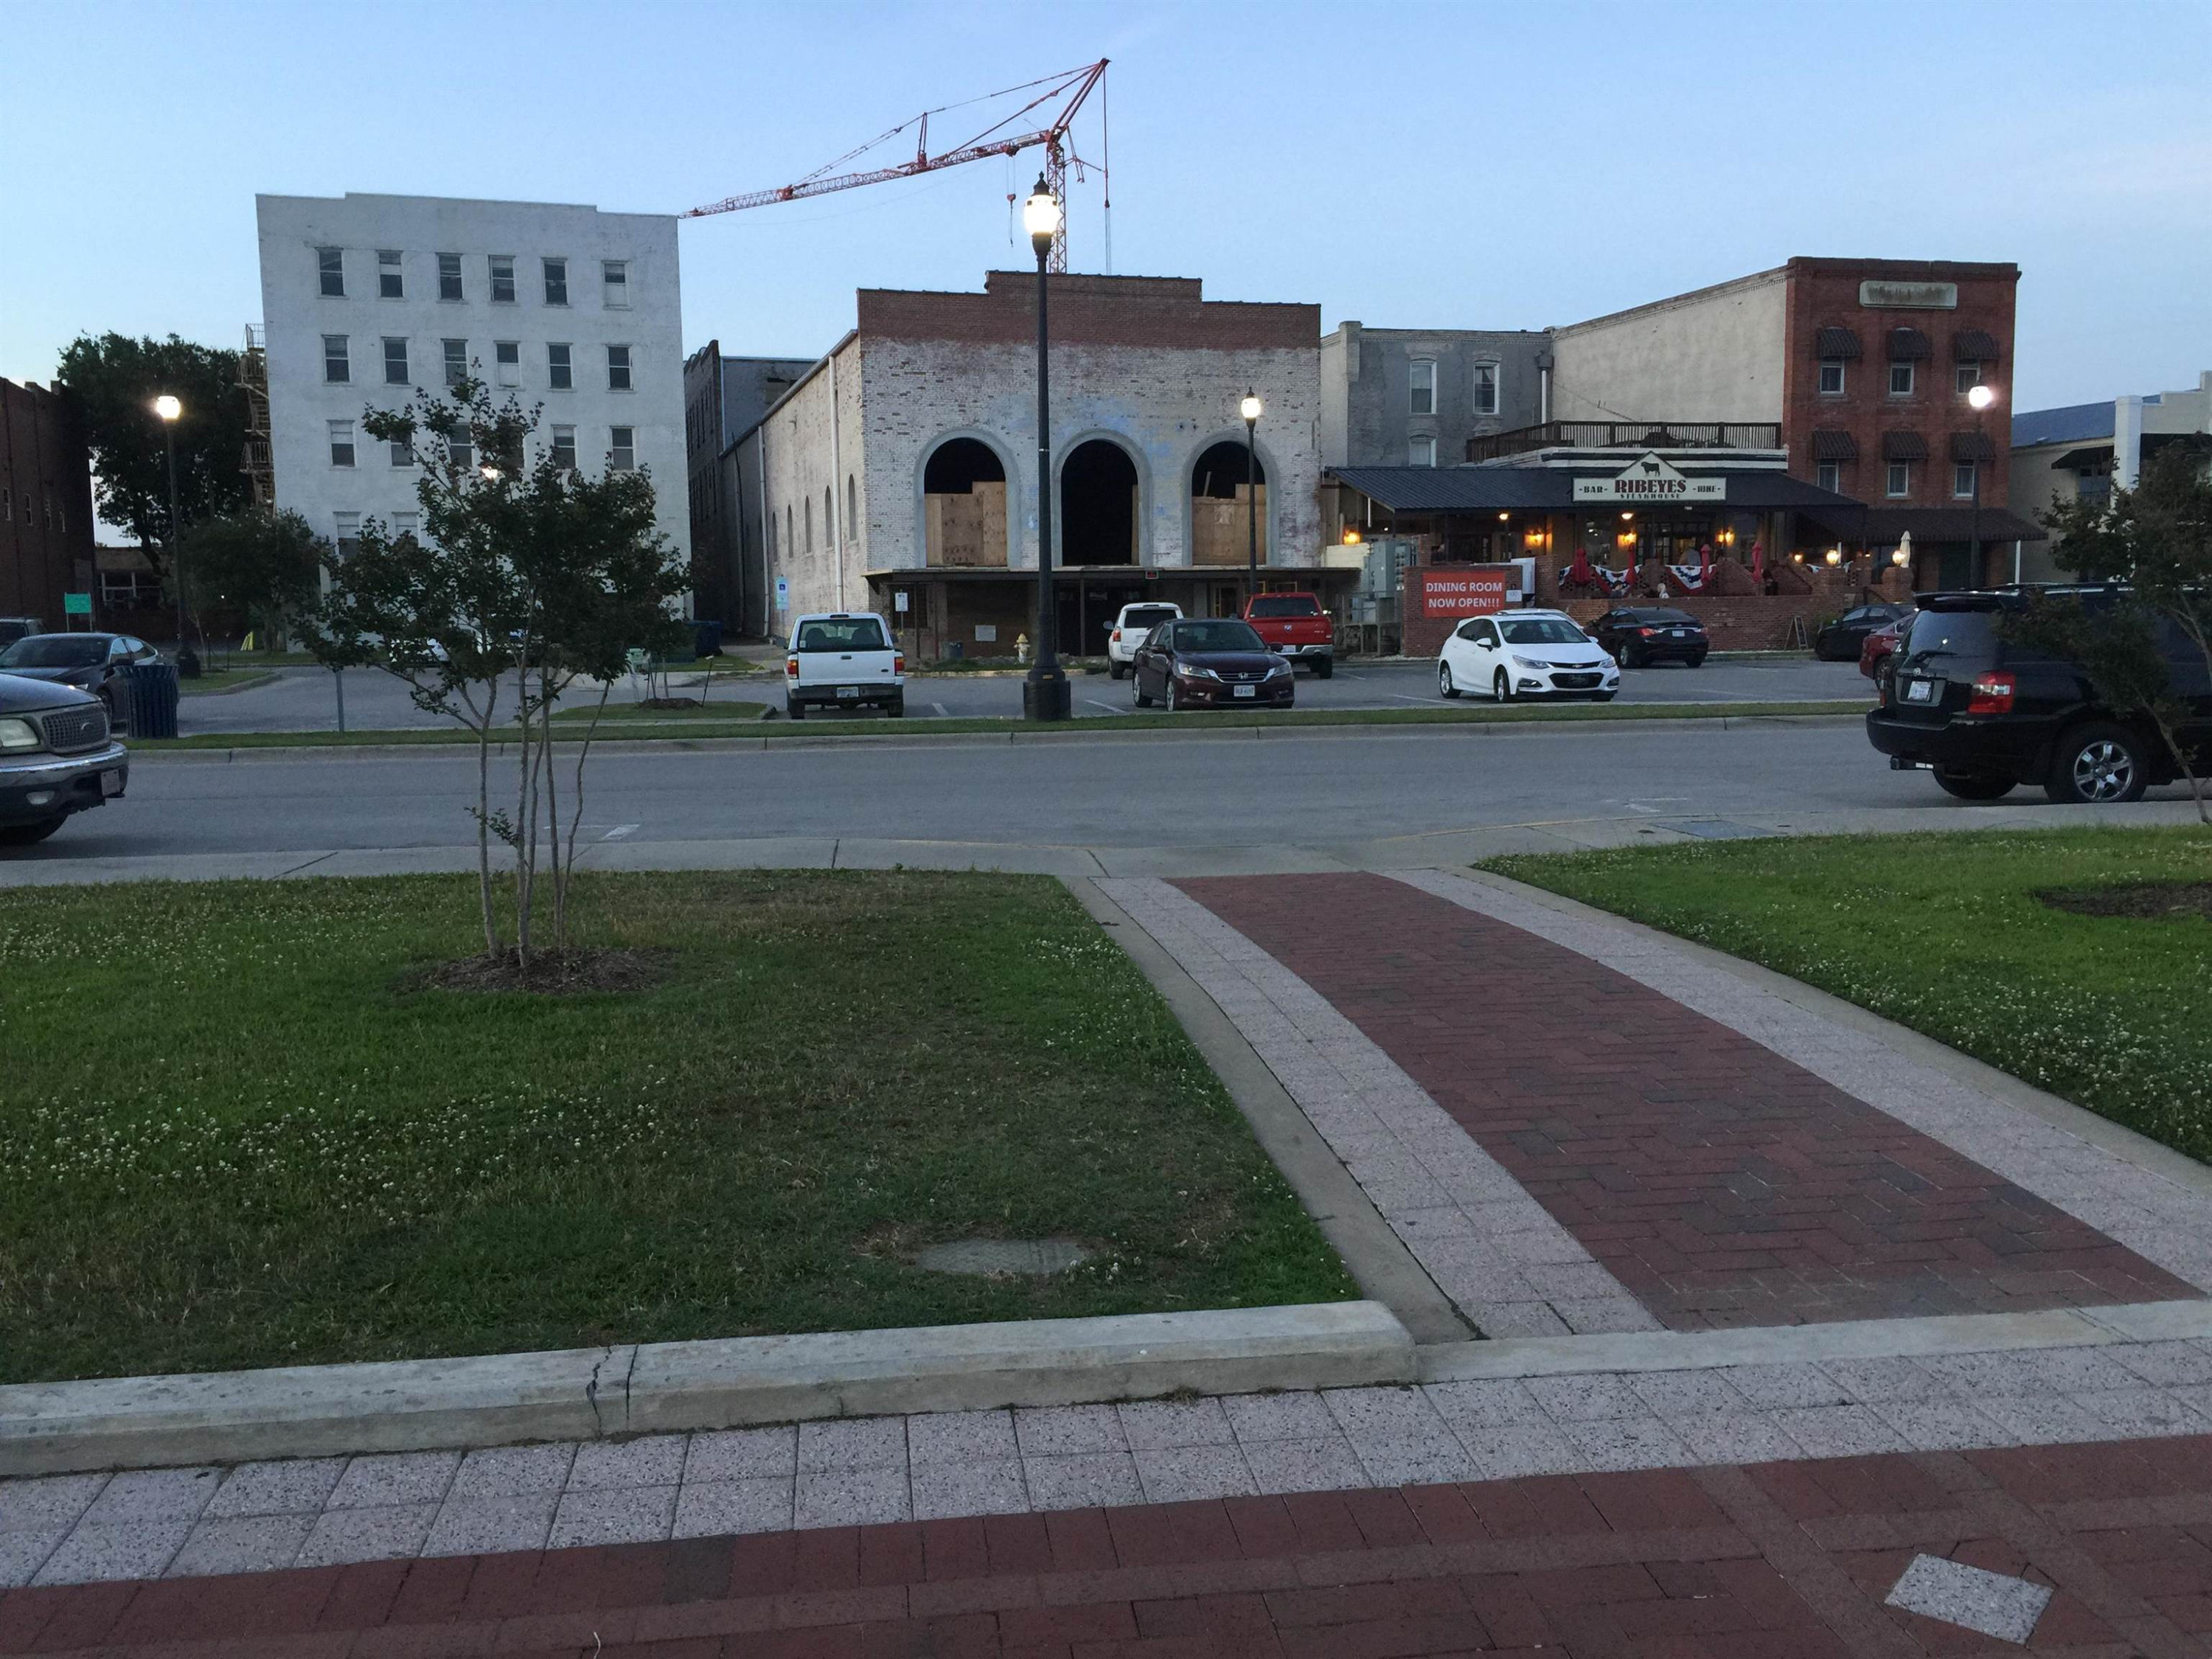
{"points": [[840, 660], [1525, 653], [1129, 629]]}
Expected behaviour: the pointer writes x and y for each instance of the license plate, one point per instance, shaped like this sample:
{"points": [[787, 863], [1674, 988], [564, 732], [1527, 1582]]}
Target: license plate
{"points": [[1920, 692], [1243, 690], [111, 783], [1681, 633], [849, 691]]}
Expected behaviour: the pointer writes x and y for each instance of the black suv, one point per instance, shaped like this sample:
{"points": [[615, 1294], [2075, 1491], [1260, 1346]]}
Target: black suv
{"points": [[1636, 636], [1987, 715]]}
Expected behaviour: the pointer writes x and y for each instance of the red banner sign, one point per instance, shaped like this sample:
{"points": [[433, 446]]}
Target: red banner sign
{"points": [[1466, 592]]}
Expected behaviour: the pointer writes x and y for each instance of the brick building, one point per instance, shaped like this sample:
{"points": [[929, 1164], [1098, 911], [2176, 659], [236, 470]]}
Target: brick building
{"points": [[899, 473], [725, 396], [45, 504]]}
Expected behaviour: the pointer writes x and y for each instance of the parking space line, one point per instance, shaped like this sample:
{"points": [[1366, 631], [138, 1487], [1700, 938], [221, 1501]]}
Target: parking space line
{"points": [[943, 712], [618, 832], [1108, 707]]}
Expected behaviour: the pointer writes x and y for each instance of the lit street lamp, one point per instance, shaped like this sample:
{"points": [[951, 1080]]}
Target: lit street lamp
{"points": [[1250, 409], [1045, 695], [188, 660], [1979, 400]]}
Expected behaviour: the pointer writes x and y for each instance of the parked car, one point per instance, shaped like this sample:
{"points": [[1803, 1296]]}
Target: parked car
{"points": [[13, 628], [1216, 662], [1986, 714], [1130, 627], [1840, 638], [1295, 626], [1637, 635], [1877, 658], [57, 756], [1525, 653], [844, 660], [90, 662]]}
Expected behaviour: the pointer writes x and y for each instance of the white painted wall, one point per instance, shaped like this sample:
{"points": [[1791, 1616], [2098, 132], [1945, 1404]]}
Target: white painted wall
{"points": [[297, 315], [1714, 355]]}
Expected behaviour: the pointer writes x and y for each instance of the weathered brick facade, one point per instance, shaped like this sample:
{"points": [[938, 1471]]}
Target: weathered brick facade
{"points": [[45, 504]]}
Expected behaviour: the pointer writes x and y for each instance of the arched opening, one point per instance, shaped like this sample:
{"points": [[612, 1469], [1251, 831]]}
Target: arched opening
{"points": [[1228, 486], [1097, 505], [963, 492]]}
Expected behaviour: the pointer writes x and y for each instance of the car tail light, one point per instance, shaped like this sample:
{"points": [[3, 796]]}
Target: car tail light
{"points": [[791, 668], [1993, 695], [898, 663], [1115, 637], [1647, 632]]}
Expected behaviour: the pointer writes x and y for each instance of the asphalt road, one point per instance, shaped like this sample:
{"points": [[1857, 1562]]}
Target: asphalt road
{"points": [[305, 700], [1332, 786]]}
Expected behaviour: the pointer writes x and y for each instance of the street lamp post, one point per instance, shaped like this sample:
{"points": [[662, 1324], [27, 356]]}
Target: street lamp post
{"points": [[1980, 398], [188, 660], [1045, 690], [1250, 409]]}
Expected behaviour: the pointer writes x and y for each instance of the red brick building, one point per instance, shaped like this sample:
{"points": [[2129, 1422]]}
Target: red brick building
{"points": [[45, 504]]}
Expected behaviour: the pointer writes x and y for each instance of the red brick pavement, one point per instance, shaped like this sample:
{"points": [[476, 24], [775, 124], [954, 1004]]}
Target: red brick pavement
{"points": [[1773, 1561], [1719, 1182]]}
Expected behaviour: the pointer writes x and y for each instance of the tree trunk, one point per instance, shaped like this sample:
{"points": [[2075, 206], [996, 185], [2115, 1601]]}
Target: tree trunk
{"points": [[484, 825], [576, 819]]}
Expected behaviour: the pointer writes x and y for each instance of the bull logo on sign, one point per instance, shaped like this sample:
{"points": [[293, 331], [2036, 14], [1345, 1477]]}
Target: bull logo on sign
{"points": [[1651, 469]]}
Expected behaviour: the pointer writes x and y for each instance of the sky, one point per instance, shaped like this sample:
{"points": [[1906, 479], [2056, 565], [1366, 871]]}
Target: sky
{"points": [[1448, 165]]}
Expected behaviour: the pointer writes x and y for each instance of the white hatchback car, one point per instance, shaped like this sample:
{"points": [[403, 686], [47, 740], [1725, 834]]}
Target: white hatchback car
{"points": [[1129, 629], [1525, 653]]}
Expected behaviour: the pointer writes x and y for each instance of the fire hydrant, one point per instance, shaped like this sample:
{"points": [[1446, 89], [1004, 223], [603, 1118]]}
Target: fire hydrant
{"points": [[1021, 647]]}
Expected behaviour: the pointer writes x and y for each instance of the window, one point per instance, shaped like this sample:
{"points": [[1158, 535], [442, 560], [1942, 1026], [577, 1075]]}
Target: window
{"points": [[558, 374], [406, 523], [1970, 376], [1485, 388], [502, 279], [1831, 377], [1829, 474], [1964, 475], [456, 362], [828, 519], [395, 360], [1421, 451], [349, 535], [1901, 478], [852, 503], [391, 280], [614, 276], [622, 453], [341, 443], [556, 282], [564, 448], [507, 354], [459, 447], [402, 452], [1421, 384], [449, 276], [617, 368], [808, 506], [330, 262], [337, 368], [1900, 380], [787, 542]]}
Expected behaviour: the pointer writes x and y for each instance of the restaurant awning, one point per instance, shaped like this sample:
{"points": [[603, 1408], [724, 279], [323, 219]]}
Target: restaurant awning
{"points": [[1885, 526], [2093, 455], [1909, 345], [1836, 343], [1495, 490], [1904, 446], [1830, 445]]}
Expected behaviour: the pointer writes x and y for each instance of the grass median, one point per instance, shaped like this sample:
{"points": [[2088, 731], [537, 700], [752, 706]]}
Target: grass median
{"points": [[237, 1128], [1949, 934]]}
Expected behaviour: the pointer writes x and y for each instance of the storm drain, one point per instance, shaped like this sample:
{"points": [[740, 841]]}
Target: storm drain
{"points": [[991, 1258]]}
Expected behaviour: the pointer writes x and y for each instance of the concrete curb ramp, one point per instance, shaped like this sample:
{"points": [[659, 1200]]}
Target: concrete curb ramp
{"points": [[314, 1411]]}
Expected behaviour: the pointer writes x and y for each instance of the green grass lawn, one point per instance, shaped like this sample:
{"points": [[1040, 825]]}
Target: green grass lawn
{"points": [[236, 1129], [1944, 933]]}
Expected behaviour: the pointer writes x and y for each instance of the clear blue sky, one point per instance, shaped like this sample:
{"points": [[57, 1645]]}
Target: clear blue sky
{"points": [[1458, 165]]}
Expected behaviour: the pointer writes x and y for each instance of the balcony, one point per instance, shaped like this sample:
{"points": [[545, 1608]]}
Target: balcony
{"points": [[1626, 434]]}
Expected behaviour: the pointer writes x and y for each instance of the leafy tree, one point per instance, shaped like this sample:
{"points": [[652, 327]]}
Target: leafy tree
{"points": [[526, 578], [114, 380], [265, 565]]}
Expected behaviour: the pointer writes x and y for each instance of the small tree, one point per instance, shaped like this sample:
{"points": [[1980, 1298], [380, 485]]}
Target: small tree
{"points": [[265, 565], [527, 574]]}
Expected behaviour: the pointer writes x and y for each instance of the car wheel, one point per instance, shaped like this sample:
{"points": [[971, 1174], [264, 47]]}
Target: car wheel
{"points": [[1501, 689], [1633, 657], [1323, 667], [1113, 668], [2098, 764], [1137, 697], [1444, 685], [28, 834], [895, 710], [1699, 660], [1973, 785], [794, 709]]}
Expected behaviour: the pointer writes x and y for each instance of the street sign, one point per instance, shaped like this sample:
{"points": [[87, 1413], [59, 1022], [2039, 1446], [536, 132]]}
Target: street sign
{"points": [[77, 604], [783, 593], [898, 602]]}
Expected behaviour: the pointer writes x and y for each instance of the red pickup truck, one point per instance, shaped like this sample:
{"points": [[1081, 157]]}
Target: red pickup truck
{"points": [[1295, 625]]}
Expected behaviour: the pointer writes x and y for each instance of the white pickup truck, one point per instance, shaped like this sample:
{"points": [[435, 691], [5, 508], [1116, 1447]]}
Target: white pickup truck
{"points": [[841, 659]]}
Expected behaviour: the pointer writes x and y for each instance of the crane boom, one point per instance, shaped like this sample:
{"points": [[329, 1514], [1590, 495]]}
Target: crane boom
{"points": [[1075, 85]]}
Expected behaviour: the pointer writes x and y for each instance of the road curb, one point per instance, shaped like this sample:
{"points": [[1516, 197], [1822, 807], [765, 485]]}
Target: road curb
{"points": [[315, 1410]]}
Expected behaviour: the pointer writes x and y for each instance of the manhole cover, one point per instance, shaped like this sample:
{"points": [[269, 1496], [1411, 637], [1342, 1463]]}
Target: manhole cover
{"points": [[991, 1257]]}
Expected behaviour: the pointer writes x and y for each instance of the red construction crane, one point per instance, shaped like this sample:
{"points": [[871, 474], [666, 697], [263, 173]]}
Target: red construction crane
{"points": [[1074, 86]]}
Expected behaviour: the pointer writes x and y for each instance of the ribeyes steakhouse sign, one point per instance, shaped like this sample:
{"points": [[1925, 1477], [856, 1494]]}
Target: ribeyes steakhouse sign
{"points": [[1651, 480]]}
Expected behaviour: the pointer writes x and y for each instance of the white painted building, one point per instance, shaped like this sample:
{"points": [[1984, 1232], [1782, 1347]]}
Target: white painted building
{"points": [[366, 298]]}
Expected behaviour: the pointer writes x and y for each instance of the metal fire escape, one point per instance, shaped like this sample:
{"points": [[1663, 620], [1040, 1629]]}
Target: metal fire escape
{"points": [[255, 458]]}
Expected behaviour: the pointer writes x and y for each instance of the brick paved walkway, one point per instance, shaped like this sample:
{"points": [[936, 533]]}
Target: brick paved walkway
{"points": [[1778, 1561], [1722, 1184]]}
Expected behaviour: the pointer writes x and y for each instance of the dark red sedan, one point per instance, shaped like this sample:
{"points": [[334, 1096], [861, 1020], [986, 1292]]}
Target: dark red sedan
{"points": [[1209, 663]]}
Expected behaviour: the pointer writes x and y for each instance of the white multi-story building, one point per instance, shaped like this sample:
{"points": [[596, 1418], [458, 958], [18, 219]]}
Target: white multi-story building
{"points": [[366, 298]]}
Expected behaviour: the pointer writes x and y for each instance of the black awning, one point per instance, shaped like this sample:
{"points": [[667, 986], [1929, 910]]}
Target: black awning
{"points": [[1973, 446], [1830, 445], [1836, 343], [1972, 345], [1909, 345], [2093, 455], [1881, 526], [1904, 446]]}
